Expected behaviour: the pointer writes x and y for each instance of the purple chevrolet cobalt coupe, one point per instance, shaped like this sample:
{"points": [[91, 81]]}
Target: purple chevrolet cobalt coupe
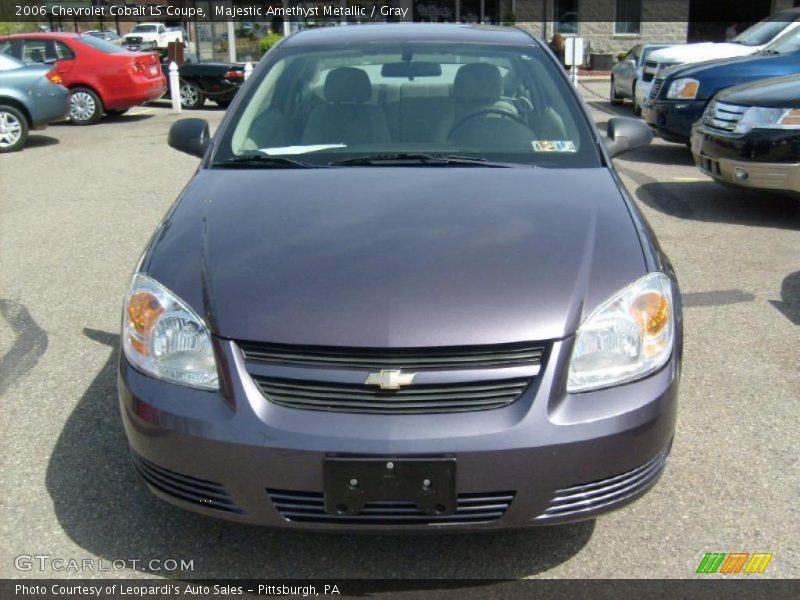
{"points": [[405, 290]]}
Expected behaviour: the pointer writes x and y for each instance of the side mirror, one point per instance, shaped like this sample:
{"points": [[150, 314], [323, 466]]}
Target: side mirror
{"points": [[625, 134], [190, 135]]}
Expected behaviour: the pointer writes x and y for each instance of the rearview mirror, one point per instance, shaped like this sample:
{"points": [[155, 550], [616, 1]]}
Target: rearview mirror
{"points": [[625, 134], [190, 136]]}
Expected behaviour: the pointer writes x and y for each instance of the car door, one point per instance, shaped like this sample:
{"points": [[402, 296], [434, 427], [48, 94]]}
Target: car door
{"points": [[65, 61], [627, 71]]}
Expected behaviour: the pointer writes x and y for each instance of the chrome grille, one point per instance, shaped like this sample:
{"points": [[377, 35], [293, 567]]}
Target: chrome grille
{"points": [[590, 497], [722, 116], [458, 357], [183, 487], [309, 507], [649, 70], [656, 88], [416, 399]]}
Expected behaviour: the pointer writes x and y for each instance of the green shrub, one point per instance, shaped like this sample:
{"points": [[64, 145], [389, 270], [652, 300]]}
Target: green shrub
{"points": [[269, 41]]}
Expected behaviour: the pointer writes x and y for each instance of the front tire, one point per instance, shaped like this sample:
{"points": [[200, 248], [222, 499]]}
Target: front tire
{"points": [[85, 107], [615, 99], [192, 96], [13, 129]]}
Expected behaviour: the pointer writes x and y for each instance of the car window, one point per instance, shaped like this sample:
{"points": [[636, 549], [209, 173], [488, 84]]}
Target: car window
{"points": [[763, 31], [487, 102], [144, 29], [99, 44], [786, 44], [37, 51], [7, 62], [161, 29], [64, 52]]}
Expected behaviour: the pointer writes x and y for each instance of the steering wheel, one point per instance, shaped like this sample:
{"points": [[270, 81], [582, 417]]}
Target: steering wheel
{"points": [[489, 110]]}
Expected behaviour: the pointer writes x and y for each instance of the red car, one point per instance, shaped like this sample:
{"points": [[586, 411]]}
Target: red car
{"points": [[102, 77]]}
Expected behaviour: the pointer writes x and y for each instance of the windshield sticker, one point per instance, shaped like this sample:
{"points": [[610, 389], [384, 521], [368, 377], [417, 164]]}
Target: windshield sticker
{"points": [[553, 146], [299, 149]]}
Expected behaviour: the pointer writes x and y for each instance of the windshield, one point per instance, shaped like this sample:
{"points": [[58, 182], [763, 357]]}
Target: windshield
{"points": [[787, 44], [507, 105], [98, 44], [764, 31], [144, 29]]}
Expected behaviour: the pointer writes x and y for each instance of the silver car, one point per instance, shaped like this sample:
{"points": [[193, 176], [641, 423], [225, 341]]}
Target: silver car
{"points": [[628, 71]]}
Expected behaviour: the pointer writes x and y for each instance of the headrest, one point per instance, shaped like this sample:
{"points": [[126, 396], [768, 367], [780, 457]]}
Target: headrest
{"points": [[347, 84], [478, 81]]}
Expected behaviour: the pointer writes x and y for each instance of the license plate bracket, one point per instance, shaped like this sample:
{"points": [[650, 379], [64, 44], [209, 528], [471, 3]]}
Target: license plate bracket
{"points": [[350, 483]]}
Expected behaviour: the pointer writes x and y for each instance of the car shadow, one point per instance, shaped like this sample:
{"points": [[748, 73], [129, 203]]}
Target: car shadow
{"points": [[127, 118], [789, 304], [660, 154], [711, 202], [104, 507], [41, 141]]}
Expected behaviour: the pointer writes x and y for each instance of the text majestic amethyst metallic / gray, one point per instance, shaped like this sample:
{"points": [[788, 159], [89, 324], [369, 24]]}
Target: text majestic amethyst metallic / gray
{"points": [[405, 290]]}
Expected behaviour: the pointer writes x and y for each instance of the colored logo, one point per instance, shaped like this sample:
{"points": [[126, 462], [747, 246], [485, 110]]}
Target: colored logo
{"points": [[734, 562]]}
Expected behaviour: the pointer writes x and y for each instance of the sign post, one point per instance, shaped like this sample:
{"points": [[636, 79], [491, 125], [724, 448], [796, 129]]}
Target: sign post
{"points": [[573, 57]]}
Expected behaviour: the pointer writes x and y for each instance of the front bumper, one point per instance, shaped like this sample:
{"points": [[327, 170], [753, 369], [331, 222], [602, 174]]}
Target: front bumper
{"points": [[760, 160], [549, 457], [672, 120]]}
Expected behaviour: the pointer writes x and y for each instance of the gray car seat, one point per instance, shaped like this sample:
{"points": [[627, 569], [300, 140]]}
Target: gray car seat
{"points": [[346, 117]]}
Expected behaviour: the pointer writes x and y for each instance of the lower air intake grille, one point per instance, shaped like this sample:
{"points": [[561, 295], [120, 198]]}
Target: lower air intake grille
{"points": [[416, 399], [589, 497], [309, 507], [189, 489]]}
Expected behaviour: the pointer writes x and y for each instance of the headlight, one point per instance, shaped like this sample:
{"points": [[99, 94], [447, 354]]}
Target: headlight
{"points": [[757, 117], [627, 337], [683, 89], [163, 337]]}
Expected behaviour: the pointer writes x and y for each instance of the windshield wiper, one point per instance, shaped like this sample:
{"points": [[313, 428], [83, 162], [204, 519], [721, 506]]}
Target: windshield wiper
{"points": [[405, 158], [265, 162]]}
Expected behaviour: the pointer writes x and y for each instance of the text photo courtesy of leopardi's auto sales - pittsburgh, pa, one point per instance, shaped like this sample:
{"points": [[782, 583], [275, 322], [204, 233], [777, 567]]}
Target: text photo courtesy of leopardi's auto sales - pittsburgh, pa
{"points": [[403, 298]]}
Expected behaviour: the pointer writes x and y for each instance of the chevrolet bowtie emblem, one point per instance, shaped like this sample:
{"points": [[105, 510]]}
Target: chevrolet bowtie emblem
{"points": [[390, 380]]}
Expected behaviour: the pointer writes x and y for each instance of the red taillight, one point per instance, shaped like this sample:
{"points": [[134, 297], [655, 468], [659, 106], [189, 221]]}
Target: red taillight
{"points": [[138, 68], [234, 75], [54, 77]]}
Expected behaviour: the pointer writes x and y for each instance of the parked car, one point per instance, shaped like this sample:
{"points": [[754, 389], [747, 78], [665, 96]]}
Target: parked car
{"points": [[207, 81], [751, 41], [105, 34], [150, 36], [679, 95], [101, 76], [404, 290], [749, 136], [31, 97], [627, 72]]}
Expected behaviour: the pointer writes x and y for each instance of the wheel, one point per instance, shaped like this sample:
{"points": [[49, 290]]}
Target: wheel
{"points": [[116, 113], [13, 129], [191, 95], [85, 107], [615, 99]]}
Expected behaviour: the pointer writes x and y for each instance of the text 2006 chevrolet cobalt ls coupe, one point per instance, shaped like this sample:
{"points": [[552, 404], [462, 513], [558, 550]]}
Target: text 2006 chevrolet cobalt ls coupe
{"points": [[404, 290]]}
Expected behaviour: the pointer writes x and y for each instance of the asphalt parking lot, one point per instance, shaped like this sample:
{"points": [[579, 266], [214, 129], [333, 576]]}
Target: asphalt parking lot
{"points": [[77, 207]]}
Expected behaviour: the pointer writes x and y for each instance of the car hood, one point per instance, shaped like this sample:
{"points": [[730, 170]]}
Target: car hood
{"points": [[397, 257], [689, 53], [777, 92], [717, 74]]}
